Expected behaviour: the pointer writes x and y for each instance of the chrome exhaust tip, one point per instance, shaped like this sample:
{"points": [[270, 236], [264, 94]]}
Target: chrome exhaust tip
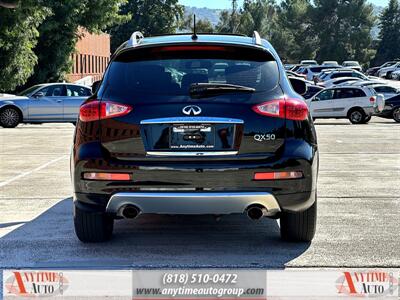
{"points": [[130, 212], [256, 212]]}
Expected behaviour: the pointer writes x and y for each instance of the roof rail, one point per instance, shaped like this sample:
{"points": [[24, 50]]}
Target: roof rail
{"points": [[256, 38], [135, 39]]}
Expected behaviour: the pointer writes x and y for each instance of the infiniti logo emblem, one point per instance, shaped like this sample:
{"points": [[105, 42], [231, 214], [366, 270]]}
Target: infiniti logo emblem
{"points": [[191, 110]]}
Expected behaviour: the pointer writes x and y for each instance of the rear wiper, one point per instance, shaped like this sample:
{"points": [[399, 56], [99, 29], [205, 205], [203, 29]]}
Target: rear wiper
{"points": [[202, 90]]}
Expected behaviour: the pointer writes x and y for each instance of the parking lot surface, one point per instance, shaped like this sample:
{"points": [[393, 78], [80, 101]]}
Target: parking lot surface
{"points": [[358, 211]]}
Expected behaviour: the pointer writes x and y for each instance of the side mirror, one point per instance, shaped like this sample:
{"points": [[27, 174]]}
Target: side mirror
{"points": [[39, 95], [316, 99], [95, 86], [298, 85]]}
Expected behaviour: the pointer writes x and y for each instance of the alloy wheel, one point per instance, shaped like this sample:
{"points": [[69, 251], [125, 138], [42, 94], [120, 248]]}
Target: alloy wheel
{"points": [[9, 117]]}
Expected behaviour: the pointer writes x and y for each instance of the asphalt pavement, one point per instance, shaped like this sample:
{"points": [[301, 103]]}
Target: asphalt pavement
{"points": [[358, 211]]}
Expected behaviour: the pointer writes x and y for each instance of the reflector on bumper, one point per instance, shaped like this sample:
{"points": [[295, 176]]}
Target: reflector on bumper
{"points": [[278, 175]]}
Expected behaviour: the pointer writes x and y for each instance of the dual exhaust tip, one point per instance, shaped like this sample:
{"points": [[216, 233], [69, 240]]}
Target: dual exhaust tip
{"points": [[256, 212], [253, 212], [130, 211]]}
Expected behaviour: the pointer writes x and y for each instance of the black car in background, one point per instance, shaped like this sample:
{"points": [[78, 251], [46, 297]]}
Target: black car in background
{"points": [[195, 125], [392, 109]]}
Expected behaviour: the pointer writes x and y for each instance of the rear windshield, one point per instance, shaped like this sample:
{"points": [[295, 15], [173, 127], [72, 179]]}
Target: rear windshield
{"points": [[172, 73]]}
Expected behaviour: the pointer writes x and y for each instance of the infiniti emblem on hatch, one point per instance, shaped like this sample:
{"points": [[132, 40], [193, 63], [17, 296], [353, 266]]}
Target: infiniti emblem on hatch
{"points": [[191, 110]]}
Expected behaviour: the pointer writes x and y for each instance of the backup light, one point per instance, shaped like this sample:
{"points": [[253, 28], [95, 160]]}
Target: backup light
{"points": [[107, 176], [278, 175]]}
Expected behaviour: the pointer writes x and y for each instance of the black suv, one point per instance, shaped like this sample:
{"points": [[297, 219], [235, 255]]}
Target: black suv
{"points": [[206, 124]]}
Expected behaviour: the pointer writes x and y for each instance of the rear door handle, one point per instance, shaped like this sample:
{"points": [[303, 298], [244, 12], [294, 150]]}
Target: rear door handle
{"points": [[59, 101]]}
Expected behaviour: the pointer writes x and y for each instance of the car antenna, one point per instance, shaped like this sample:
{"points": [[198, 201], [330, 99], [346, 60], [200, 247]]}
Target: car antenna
{"points": [[194, 35]]}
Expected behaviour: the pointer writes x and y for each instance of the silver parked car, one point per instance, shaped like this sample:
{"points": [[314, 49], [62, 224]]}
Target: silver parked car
{"points": [[52, 102]]}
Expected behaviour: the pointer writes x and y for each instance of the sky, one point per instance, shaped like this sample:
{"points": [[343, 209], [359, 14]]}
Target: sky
{"points": [[227, 3]]}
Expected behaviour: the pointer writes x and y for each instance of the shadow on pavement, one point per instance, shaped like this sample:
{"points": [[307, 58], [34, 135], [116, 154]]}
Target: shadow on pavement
{"points": [[151, 241]]}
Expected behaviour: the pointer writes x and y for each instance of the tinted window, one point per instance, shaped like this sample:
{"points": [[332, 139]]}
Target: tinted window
{"points": [[342, 74], [53, 91], [318, 69], [326, 95], [385, 89], [77, 91], [172, 73], [349, 93], [29, 90]]}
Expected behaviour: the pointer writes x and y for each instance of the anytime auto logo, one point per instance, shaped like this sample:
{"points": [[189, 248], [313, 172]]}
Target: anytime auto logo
{"points": [[36, 284], [367, 284]]}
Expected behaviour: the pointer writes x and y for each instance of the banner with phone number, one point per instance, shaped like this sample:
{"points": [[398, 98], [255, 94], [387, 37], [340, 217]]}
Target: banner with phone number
{"points": [[201, 284]]}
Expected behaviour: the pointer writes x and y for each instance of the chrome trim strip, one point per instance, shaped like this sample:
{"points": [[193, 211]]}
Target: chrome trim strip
{"points": [[193, 202], [194, 153], [173, 120]]}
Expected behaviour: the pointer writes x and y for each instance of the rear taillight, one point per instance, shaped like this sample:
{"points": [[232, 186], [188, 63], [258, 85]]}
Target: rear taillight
{"points": [[98, 110], [372, 99], [291, 109]]}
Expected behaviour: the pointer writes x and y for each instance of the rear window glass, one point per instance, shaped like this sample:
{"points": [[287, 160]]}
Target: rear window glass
{"points": [[172, 73]]}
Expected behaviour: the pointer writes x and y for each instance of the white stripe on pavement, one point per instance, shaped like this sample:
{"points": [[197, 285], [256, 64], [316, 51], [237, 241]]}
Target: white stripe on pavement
{"points": [[3, 183]]}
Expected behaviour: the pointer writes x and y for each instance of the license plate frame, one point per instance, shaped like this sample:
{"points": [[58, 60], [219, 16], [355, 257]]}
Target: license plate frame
{"points": [[192, 136]]}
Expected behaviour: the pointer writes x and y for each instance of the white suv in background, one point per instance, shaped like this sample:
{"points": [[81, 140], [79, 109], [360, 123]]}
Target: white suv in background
{"points": [[355, 103]]}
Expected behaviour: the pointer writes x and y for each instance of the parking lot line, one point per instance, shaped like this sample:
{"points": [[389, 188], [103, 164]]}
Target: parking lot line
{"points": [[3, 183]]}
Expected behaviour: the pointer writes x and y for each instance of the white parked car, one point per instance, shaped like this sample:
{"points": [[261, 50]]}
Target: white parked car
{"points": [[337, 81], [357, 104], [313, 71], [342, 73], [352, 64], [384, 71], [331, 63], [309, 62]]}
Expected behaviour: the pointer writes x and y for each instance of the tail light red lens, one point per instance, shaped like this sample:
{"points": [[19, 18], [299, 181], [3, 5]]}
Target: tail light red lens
{"points": [[291, 109], [372, 99], [98, 110], [278, 175], [107, 176]]}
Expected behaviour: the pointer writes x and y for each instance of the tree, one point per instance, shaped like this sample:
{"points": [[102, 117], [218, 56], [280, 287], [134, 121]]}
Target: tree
{"points": [[389, 36], [149, 17], [18, 37], [343, 29], [294, 26], [60, 32], [202, 26], [257, 15], [229, 20]]}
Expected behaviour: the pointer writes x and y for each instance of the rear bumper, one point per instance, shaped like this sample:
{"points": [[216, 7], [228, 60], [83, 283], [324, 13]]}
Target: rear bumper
{"points": [[192, 203], [197, 186]]}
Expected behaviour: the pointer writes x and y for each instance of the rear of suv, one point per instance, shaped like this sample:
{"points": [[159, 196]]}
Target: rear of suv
{"points": [[206, 124]]}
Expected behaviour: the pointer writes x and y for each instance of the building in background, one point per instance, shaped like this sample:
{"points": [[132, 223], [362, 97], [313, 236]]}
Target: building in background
{"points": [[90, 58]]}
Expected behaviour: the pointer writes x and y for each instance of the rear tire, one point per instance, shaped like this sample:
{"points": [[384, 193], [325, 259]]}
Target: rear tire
{"points": [[357, 116], [9, 117], [92, 227], [366, 119], [396, 114], [299, 227]]}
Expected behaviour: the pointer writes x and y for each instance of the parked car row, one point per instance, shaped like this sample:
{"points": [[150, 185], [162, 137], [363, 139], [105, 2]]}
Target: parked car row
{"points": [[336, 91]]}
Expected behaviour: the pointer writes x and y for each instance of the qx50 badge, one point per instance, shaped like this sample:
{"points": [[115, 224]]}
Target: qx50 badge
{"points": [[193, 110], [264, 137]]}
